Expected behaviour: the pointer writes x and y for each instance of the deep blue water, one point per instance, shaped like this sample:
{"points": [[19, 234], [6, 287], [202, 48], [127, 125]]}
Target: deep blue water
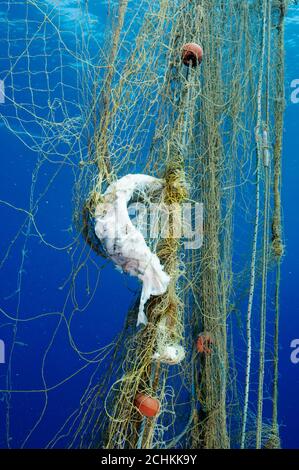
{"points": [[44, 269]]}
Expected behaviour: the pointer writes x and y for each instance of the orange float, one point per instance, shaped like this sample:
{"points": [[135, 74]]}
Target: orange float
{"points": [[204, 343], [147, 405], [192, 54]]}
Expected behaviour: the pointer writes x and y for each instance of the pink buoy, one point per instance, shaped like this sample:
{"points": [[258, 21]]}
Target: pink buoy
{"points": [[192, 54]]}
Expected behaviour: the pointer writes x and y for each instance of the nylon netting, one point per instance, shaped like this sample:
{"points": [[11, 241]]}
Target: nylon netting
{"points": [[95, 91]]}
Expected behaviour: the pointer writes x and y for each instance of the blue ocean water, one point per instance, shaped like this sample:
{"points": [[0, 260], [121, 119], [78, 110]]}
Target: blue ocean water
{"points": [[289, 372], [33, 271]]}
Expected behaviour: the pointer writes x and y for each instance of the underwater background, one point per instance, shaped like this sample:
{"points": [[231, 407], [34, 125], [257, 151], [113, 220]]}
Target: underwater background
{"points": [[34, 273]]}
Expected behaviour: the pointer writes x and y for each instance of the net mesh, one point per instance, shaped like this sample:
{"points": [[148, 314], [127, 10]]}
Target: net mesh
{"points": [[98, 90]]}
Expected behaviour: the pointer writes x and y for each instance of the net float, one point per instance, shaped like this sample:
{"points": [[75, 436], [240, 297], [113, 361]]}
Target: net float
{"points": [[204, 343], [147, 405], [192, 53]]}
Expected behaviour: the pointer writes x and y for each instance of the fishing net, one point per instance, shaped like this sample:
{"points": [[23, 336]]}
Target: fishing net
{"points": [[97, 91]]}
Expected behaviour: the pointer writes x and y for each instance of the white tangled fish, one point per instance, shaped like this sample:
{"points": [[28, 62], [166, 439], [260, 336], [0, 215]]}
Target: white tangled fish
{"points": [[124, 244]]}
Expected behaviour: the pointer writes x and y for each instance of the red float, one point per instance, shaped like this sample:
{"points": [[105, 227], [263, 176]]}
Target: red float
{"points": [[146, 405], [192, 54], [204, 343]]}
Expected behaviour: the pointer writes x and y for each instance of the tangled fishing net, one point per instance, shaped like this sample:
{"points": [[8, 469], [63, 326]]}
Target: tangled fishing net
{"points": [[119, 111]]}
